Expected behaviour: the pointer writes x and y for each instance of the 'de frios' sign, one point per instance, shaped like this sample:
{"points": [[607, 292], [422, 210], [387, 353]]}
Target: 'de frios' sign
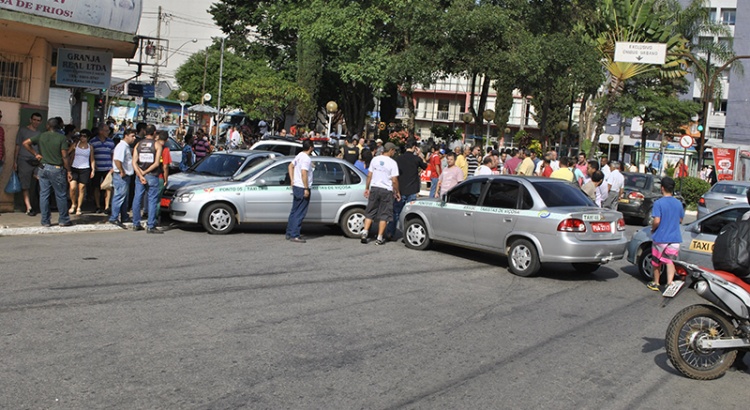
{"points": [[83, 68], [118, 15]]}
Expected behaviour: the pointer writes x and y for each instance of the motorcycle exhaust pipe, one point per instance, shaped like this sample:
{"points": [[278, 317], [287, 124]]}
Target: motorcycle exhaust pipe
{"points": [[704, 291]]}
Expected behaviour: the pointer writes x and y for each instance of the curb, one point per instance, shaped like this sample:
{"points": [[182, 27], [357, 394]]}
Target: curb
{"points": [[40, 230]]}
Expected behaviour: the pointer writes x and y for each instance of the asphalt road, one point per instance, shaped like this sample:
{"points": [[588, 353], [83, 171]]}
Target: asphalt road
{"points": [[249, 320]]}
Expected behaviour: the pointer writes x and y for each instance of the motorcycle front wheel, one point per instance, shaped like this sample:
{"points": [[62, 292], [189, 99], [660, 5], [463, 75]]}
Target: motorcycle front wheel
{"points": [[690, 325]]}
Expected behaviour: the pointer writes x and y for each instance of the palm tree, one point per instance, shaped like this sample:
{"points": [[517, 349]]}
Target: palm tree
{"points": [[635, 21]]}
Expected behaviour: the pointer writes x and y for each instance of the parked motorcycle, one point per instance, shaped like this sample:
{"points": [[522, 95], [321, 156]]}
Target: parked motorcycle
{"points": [[703, 341]]}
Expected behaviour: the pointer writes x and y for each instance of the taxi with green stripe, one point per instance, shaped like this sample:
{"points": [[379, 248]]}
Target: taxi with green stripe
{"points": [[529, 220], [263, 194]]}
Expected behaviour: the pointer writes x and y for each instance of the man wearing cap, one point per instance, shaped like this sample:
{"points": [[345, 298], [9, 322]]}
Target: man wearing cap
{"points": [[379, 149], [383, 178], [665, 231]]}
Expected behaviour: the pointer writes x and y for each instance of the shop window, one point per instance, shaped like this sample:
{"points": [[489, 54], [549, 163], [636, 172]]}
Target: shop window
{"points": [[14, 80]]}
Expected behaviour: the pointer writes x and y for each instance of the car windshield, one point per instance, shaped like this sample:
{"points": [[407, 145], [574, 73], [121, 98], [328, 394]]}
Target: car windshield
{"points": [[636, 181], [253, 170], [219, 165], [555, 194], [729, 189]]}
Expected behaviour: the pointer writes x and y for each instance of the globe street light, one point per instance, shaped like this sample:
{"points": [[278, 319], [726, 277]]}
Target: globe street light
{"points": [[183, 96], [466, 118], [488, 116], [609, 149], [331, 108]]}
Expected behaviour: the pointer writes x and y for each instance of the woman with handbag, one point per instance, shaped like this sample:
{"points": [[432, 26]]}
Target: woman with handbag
{"points": [[83, 170]]}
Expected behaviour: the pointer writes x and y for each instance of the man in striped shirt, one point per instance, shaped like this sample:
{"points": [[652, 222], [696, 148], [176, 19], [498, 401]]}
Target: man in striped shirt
{"points": [[104, 148], [201, 146]]}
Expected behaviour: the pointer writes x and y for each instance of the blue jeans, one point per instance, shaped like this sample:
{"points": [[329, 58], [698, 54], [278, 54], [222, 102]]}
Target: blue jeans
{"points": [[53, 179], [398, 206], [433, 186], [151, 190], [298, 212], [122, 188]]}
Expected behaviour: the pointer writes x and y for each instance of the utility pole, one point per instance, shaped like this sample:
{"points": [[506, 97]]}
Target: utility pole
{"points": [[158, 48]]}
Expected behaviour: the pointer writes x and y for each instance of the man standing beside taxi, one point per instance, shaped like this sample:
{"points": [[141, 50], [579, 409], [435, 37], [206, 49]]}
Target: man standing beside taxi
{"points": [[383, 178], [665, 232], [301, 173]]}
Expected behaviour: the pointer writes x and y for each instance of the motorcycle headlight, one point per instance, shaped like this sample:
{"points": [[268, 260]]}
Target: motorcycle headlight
{"points": [[184, 197]]}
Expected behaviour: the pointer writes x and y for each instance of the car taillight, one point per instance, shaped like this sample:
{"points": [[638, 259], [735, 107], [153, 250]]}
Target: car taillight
{"points": [[571, 225], [621, 224], [636, 196], [701, 202]]}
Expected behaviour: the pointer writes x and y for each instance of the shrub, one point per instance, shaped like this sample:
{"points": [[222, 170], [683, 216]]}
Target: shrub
{"points": [[691, 189]]}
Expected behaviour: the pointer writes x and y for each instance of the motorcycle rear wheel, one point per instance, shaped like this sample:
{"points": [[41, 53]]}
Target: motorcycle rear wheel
{"points": [[685, 330]]}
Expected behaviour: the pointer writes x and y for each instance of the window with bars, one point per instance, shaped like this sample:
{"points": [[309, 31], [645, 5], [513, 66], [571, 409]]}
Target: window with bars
{"points": [[14, 80]]}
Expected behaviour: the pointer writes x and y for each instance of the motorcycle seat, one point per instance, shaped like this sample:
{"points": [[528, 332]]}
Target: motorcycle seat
{"points": [[730, 277]]}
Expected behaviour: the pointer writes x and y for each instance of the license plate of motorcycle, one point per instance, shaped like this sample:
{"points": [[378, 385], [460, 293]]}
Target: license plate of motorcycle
{"points": [[601, 227], [672, 289]]}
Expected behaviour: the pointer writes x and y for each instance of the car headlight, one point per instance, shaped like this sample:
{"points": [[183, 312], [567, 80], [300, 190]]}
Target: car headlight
{"points": [[184, 197]]}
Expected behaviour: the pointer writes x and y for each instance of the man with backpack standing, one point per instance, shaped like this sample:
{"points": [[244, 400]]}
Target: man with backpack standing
{"points": [[665, 232]]}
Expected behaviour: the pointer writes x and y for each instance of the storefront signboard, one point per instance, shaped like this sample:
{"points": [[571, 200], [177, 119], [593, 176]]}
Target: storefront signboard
{"points": [[83, 68], [120, 15]]}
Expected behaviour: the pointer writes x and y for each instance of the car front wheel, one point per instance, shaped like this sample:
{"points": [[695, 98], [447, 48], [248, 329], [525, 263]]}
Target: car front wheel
{"points": [[523, 259], [415, 235], [218, 219]]}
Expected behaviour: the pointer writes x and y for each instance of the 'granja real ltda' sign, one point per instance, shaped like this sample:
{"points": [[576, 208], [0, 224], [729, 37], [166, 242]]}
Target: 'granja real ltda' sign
{"points": [[117, 15], [83, 68]]}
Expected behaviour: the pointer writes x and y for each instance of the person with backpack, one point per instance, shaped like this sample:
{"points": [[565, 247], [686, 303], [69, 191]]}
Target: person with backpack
{"points": [[667, 215]]}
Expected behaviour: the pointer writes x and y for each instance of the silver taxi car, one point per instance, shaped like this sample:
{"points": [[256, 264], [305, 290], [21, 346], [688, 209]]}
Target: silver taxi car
{"points": [[531, 220], [698, 239], [262, 194]]}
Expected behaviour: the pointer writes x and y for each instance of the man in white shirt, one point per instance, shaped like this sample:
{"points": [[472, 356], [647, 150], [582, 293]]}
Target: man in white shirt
{"points": [[486, 167], [234, 137], [122, 172], [605, 168], [553, 162], [383, 179], [616, 182], [301, 174]]}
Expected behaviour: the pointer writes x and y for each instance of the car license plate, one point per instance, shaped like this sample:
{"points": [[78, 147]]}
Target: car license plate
{"points": [[165, 202], [625, 201], [601, 227], [672, 289]]}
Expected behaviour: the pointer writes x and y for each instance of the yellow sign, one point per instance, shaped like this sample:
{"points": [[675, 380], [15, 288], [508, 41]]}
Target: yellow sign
{"points": [[381, 126], [702, 246]]}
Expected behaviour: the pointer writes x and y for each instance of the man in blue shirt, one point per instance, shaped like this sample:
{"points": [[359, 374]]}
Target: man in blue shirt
{"points": [[665, 232]]}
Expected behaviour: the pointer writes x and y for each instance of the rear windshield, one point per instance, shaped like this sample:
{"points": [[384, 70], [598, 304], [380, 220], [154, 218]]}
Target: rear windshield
{"points": [[555, 194], [729, 189], [219, 165], [636, 181]]}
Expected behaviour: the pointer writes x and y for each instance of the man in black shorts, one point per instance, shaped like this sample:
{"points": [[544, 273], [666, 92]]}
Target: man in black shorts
{"points": [[383, 178]]}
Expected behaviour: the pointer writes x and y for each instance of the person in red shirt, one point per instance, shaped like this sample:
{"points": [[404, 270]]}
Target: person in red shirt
{"points": [[165, 160], [434, 168], [680, 170], [546, 167]]}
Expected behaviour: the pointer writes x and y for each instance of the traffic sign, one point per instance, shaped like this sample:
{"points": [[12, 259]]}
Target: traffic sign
{"points": [[686, 141], [641, 53]]}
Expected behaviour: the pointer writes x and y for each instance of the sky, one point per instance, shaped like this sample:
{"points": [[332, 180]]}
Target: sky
{"points": [[184, 20]]}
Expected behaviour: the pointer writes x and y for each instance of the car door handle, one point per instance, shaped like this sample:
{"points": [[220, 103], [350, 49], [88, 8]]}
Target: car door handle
{"points": [[507, 219], [467, 213], [342, 194], [730, 198]]}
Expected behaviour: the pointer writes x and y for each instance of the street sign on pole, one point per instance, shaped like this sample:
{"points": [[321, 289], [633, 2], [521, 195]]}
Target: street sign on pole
{"points": [[686, 141], [641, 53]]}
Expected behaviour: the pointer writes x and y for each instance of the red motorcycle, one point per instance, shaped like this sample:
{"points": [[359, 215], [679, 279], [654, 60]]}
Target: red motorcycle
{"points": [[703, 341]]}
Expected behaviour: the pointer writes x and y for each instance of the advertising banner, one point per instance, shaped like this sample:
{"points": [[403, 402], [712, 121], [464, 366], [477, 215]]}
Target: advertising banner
{"points": [[724, 163], [83, 68], [117, 15]]}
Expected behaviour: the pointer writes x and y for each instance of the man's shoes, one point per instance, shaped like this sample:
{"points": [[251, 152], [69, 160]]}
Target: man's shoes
{"points": [[98, 211], [137, 227], [653, 286], [117, 223], [380, 242], [154, 230], [46, 225], [297, 240], [30, 212], [363, 237], [66, 224], [108, 211]]}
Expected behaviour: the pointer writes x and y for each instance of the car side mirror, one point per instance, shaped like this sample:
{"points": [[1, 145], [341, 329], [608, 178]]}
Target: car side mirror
{"points": [[695, 228], [259, 182]]}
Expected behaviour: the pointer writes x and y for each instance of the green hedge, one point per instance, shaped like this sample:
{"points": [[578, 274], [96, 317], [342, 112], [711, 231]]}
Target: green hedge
{"points": [[692, 189]]}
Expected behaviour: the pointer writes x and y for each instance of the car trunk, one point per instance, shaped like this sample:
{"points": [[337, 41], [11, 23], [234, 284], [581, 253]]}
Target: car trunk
{"points": [[601, 224]]}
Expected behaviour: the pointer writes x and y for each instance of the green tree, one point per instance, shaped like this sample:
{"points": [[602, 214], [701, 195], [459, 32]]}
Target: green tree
{"points": [[267, 96]]}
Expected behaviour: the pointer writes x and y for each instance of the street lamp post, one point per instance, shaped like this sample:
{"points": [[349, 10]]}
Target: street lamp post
{"points": [[218, 100], [609, 148], [331, 108], [183, 96], [488, 116], [466, 118]]}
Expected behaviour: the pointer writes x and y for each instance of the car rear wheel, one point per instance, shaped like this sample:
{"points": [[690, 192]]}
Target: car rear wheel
{"points": [[586, 268], [415, 235], [353, 222], [643, 261], [218, 219], [523, 259]]}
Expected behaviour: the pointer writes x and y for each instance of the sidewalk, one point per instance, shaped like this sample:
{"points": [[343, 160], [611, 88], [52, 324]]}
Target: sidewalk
{"points": [[18, 223]]}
